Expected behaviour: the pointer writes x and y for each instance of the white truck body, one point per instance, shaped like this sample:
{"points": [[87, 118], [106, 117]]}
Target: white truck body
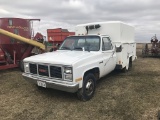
{"points": [[107, 45]]}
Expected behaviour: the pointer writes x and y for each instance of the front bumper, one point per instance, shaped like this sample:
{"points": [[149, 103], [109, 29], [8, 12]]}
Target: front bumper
{"points": [[50, 83]]}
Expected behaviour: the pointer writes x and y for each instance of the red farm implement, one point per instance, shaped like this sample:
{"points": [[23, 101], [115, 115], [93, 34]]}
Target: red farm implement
{"points": [[152, 49], [16, 41]]}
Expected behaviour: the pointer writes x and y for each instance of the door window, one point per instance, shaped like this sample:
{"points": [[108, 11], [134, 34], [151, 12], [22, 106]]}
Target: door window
{"points": [[107, 45]]}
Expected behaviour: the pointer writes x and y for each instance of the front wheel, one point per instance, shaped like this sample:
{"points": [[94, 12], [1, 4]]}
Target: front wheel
{"points": [[88, 88]]}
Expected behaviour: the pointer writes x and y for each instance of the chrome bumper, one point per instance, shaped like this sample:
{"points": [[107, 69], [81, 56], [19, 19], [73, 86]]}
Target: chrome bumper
{"points": [[60, 85]]}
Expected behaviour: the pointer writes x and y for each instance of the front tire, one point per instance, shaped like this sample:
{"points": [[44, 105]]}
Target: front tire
{"points": [[88, 89]]}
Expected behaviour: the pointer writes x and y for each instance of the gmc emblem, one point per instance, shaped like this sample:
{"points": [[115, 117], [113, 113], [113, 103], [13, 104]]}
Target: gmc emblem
{"points": [[42, 70]]}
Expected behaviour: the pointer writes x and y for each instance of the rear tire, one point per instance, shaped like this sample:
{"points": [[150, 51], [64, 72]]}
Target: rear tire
{"points": [[88, 89], [124, 70], [130, 63]]}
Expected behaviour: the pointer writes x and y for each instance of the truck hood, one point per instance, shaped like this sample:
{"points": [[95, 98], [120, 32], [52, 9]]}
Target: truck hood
{"points": [[60, 57]]}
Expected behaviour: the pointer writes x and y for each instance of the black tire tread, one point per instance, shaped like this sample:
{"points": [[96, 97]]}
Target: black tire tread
{"points": [[81, 96]]}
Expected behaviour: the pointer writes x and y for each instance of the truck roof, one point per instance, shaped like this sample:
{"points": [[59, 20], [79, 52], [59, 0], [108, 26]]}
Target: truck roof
{"points": [[107, 22], [89, 35]]}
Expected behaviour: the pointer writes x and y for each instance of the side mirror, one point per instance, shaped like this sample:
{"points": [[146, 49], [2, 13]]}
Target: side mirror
{"points": [[119, 49]]}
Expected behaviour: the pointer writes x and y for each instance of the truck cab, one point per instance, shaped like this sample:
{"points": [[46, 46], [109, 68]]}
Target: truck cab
{"points": [[99, 46]]}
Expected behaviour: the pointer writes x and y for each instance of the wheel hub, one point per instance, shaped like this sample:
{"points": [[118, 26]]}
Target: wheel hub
{"points": [[88, 84], [89, 87]]}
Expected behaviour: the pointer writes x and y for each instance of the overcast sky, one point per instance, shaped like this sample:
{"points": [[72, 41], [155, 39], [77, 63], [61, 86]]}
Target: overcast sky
{"points": [[144, 15]]}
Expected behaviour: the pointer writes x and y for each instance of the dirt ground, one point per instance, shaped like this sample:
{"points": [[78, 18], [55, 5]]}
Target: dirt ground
{"points": [[134, 95]]}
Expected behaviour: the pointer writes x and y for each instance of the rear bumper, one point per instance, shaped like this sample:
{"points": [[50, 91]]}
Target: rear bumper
{"points": [[50, 83]]}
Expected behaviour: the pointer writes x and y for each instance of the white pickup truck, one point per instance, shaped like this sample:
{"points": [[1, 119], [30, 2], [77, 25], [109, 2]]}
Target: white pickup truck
{"points": [[81, 60]]}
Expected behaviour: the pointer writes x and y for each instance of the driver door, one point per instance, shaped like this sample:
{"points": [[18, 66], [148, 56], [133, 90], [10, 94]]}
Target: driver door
{"points": [[109, 55]]}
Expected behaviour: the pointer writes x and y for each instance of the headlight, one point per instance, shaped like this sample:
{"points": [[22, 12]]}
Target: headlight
{"points": [[68, 76], [68, 73], [68, 70], [26, 67]]}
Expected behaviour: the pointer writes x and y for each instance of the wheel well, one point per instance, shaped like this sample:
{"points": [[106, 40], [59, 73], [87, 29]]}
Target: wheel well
{"points": [[130, 62], [94, 71], [130, 59]]}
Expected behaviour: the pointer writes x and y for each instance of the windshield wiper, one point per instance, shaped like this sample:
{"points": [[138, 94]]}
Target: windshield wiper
{"points": [[65, 48], [78, 48]]}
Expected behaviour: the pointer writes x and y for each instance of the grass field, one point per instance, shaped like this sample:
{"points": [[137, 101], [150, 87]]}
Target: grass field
{"points": [[134, 95]]}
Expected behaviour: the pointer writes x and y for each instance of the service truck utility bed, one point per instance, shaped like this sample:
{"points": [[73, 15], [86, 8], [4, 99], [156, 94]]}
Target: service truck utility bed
{"points": [[121, 35]]}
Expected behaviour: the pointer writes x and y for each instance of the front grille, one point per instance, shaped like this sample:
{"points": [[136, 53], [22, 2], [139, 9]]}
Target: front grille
{"points": [[43, 70], [55, 72], [33, 68]]}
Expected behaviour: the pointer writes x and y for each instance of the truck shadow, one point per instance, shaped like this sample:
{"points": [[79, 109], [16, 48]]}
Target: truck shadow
{"points": [[66, 96], [59, 95], [112, 77]]}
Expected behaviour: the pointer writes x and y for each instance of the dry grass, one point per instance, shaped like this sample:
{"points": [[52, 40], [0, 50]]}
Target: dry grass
{"points": [[119, 96]]}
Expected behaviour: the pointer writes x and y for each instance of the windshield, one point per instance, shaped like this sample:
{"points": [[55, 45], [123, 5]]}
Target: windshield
{"points": [[81, 43]]}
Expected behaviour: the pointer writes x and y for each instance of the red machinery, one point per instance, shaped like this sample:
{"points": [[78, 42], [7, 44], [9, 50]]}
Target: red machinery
{"points": [[154, 50], [13, 47], [57, 36]]}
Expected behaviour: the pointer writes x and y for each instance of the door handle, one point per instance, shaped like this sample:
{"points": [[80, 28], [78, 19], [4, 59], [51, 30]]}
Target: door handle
{"points": [[113, 53], [100, 62]]}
